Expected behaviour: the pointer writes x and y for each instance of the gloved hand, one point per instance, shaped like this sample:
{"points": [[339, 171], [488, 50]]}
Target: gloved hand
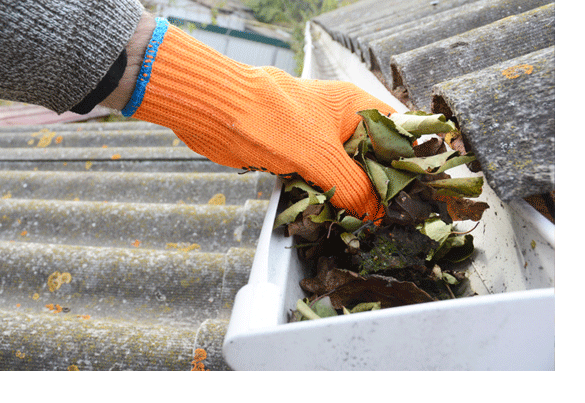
{"points": [[257, 118]]}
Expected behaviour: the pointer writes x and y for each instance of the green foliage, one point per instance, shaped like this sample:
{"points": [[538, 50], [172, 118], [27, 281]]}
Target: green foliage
{"points": [[288, 13], [293, 15], [215, 11]]}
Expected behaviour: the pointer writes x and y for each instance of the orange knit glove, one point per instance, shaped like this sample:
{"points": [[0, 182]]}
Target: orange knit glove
{"points": [[255, 118]]}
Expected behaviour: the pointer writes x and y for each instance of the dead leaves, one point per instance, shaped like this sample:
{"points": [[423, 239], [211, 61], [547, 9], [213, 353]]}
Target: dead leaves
{"points": [[385, 290], [361, 266], [349, 292], [462, 209], [328, 277], [307, 225], [388, 141]]}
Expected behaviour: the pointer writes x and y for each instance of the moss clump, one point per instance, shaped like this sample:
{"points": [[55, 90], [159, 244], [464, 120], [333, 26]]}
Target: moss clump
{"points": [[399, 247]]}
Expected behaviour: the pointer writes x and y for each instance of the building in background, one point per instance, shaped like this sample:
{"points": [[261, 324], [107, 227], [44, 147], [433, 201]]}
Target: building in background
{"points": [[230, 28]]}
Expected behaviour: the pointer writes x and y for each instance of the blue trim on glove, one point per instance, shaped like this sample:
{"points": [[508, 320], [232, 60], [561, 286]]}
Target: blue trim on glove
{"points": [[144, 76]]}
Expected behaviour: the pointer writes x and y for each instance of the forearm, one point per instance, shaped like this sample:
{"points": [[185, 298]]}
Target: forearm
{"points": [[55, 52]]}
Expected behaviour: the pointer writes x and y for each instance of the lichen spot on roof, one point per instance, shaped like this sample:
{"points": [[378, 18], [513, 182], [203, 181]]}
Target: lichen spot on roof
{"points": [[518, 70]]}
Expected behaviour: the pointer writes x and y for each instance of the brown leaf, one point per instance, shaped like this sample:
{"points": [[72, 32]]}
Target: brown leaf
{"points": [[386, 290], [305, 227], [430, 147], [416, 209], [430, 178], [463, 209], [457, 142], [328, 278], [422, 199]]}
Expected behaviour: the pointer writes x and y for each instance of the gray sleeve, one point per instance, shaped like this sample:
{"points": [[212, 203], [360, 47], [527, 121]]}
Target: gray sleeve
{"points": [[55, 52]]}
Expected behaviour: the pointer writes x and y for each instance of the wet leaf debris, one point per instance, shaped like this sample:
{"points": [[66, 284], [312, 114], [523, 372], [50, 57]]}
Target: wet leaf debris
{"points": [[412, 254]]}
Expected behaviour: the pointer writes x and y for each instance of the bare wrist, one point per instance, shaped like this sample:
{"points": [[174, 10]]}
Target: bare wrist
{"points": [[135, 50]]}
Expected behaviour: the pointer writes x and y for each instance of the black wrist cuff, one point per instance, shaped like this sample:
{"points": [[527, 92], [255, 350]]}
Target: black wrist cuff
{"points": [[105, 87]]}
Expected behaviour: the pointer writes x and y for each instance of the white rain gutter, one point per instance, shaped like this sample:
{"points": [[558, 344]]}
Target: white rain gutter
{"points": [[508, 326]]}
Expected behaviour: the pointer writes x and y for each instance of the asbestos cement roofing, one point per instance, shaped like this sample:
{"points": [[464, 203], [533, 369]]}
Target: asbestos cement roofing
{"points": [[487, 64], [120, 248]]}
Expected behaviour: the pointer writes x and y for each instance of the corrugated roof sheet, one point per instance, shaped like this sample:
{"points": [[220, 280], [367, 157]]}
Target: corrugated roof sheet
{"points": [[488, 64], [156, 241]]}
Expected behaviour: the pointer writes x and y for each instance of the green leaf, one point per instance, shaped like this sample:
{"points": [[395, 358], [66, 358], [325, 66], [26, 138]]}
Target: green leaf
{"points": [[397, 180], [351, 145], [350, 240], [459, 187], [455, 161], [329, 194], [461, 247], [424, 165], [351, 224], [300, 184], [325, 215], [419, 124], [449, 279], [437, 230], [304, 186], [291, 213], [317, 198], [306, 311], [388, 181], [435, 164], [389, 142], [363, 148], [378, 177], [323, 308], [366, 306]]}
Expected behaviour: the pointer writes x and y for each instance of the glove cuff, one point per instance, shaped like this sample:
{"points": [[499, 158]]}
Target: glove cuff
{"points": [[158, 35]]}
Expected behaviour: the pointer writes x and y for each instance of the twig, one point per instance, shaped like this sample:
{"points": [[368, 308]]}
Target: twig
{"points": [[466, 232], [301, 245], [368, 224], [450, 292], [329, 230]]}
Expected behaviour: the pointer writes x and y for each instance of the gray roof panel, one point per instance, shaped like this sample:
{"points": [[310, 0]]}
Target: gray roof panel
{"points": [[458, 49], [400, 17], [421, 68], [371, 17], [515, 140], [423, 31], [155, 255]]}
